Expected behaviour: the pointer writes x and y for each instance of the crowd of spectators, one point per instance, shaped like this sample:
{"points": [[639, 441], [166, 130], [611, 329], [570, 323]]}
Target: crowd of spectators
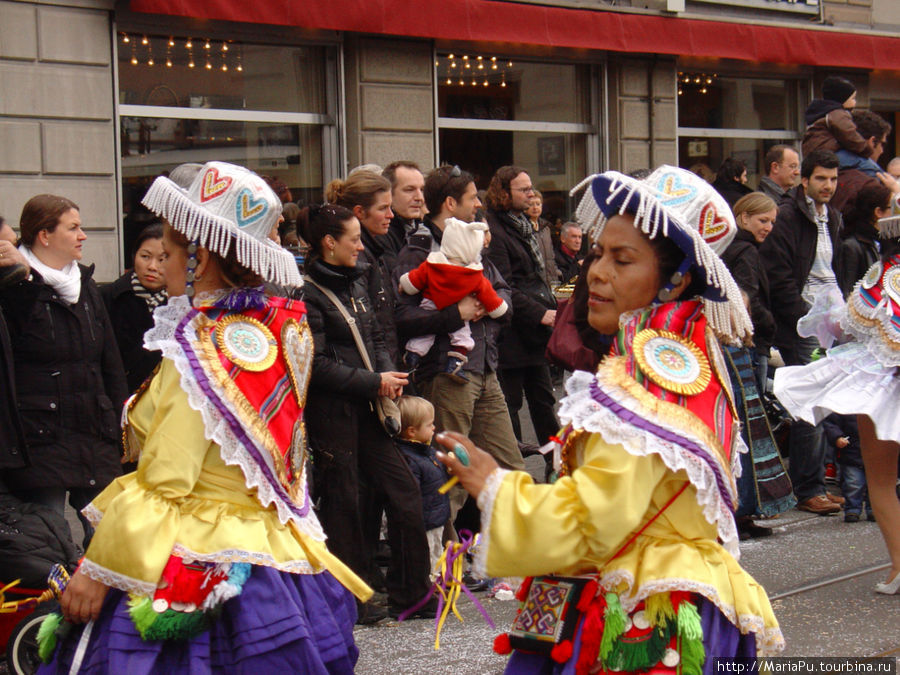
{"points": [[809, 225]]}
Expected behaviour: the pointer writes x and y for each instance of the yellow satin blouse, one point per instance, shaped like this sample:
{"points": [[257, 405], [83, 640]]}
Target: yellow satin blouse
{"points": [[184, 499], [576, 525]]}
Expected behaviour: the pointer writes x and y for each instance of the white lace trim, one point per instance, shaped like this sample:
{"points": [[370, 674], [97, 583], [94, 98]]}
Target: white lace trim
{"points": [[162, 337], [769, 641], [233, 555], [92, 513], [485, 502], [583, 412], [115, 579]]}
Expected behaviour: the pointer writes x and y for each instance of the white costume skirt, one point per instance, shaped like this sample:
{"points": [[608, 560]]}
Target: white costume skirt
{"points": [[850, 381]]}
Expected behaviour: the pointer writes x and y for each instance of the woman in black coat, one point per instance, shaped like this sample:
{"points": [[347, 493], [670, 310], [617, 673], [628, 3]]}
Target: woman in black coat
{"points": [[130, 301], [69, 378], [858, 249], [347, 441], [755, 214]]}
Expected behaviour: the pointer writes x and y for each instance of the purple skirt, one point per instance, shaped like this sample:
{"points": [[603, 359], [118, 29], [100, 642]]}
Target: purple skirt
{"points": [[721, 638], [280, 623]]}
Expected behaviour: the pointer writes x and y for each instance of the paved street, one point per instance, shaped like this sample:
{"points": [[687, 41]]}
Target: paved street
{"points": [[819, 571]]}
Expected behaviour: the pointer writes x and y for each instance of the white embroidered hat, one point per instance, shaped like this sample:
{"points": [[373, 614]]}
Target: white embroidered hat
{"points": [[682, 207], [228, 206]]}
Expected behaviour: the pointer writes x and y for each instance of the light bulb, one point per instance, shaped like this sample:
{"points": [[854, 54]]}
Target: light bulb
{"points": [[189, 44], [145, 41], [125, 38]]}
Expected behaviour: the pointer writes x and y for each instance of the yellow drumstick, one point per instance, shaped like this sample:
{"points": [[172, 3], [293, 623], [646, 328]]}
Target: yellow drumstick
{"points": [[445, 488], [463, 458]]}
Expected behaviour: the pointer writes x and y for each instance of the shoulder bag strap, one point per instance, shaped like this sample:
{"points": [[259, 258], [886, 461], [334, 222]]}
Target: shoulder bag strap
{"points": [[351, 322]]}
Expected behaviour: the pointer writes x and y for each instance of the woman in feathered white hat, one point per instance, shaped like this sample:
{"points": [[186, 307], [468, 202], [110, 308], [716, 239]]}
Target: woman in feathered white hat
{"points": [[862, 378], [209, 558], [631, 553]]}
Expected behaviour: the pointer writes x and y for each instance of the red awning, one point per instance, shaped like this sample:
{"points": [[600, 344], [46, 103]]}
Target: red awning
{"points": [[492, 21]]}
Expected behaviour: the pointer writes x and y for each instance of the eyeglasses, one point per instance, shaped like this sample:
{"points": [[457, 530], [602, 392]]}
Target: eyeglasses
{"points": [[524, 190]]}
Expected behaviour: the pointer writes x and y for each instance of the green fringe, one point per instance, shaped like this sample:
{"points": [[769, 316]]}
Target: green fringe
{"points": [[170, 625], [690, 633], [46, 637], [613, 627], [642, 654], [658, 609], [692, 656], [689, 622], [140, 609]]}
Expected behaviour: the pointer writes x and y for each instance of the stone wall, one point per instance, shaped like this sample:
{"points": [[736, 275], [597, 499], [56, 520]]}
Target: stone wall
{"points": [[390, 101], [57, 131]]}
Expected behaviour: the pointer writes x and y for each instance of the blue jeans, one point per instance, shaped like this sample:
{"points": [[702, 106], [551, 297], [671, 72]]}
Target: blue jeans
{"points": [[853, 487]]}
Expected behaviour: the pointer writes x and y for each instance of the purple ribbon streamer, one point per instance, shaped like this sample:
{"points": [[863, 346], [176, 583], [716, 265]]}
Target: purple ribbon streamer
{"points": [[236, 428], [446, 581]]}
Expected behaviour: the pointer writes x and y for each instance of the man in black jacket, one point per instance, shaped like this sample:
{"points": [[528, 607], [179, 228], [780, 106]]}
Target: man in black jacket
{"points": [[782, 170], [798, 257], [477, 407], [407, 201], [515, 252]]}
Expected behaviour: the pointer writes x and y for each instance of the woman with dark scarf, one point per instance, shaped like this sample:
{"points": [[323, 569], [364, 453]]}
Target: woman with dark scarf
{"points": [[130, 301]]}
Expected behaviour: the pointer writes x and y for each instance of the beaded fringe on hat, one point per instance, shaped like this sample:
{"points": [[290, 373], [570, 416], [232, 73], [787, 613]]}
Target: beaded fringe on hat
{"points": [[266, 258], [728, 318]]}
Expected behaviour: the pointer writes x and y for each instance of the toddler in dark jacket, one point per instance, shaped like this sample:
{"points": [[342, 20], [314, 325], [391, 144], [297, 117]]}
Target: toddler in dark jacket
{"points": [[842, 432], [416, 432]]}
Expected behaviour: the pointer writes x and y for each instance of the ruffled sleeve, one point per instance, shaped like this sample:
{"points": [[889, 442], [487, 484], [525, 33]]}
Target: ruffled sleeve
{"points": [[140, 514], [573, 525]]}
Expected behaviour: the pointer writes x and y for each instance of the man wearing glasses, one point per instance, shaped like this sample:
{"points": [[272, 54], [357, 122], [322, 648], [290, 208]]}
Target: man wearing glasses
{"points": [[516, 254]]}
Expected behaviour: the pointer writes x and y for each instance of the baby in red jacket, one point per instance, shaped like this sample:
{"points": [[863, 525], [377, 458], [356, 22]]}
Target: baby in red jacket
{"points": [[445, 278]]}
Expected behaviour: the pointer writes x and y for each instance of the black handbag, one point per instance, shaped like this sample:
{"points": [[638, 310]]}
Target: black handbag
{"points": [[387, 411]]}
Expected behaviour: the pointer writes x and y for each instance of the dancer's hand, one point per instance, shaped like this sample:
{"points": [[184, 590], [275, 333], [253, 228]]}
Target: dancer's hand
{"points": [[480, 464], [83, 598]]}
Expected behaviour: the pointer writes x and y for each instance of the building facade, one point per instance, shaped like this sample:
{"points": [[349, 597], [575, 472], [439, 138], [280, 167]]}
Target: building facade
{"points": [[98, 97]]}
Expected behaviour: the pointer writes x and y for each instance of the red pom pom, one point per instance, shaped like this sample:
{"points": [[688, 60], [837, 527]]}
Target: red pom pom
{"points": [[522, 593], [562, 652], [587, 595], [502, 645]]}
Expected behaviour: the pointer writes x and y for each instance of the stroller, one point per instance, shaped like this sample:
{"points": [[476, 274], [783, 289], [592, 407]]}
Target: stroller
{"points": [[34, 540]]}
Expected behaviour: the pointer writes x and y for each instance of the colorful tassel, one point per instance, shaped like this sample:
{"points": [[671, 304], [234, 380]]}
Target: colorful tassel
{"points": [[502, 645], [613, 627], [142, 614], [590, 636], [587, 596], [524, 587], [46, 637], [659, 609], [690, 639], [562, 652]]}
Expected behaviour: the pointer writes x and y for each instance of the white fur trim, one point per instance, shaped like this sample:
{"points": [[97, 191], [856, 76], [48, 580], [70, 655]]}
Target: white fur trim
{"points": [[500, 311], [407, 286]]}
